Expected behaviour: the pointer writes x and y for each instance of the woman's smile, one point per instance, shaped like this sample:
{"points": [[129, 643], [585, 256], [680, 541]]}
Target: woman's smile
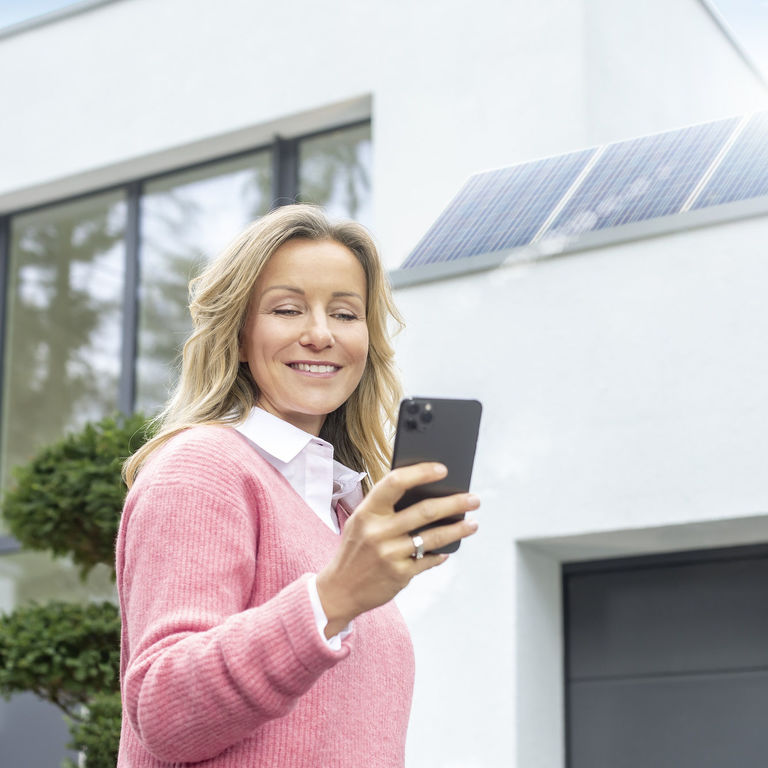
{"points": [[315, 368]]}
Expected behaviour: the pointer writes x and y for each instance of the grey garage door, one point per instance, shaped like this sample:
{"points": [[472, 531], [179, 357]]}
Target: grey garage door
{"points": [[667, 661]]}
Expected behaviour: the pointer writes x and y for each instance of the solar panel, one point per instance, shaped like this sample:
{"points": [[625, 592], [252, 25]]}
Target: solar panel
{"points": [[643, 178], [597, 189], [743, 173], [499, 209]]}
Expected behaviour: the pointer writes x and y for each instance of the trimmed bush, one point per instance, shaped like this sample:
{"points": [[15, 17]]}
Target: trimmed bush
{"points": [[98, 736], [68, 499], [63, 652]]}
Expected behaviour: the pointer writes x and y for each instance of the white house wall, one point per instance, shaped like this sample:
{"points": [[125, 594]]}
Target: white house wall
{"points": [[657, 65], [624, 389], [453, 87], [624, 413]]}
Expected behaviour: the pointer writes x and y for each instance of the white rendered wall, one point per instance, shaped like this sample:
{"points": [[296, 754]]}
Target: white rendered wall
{"points": [[657, 65], [453, 87], [624, 389], [624, 413]]}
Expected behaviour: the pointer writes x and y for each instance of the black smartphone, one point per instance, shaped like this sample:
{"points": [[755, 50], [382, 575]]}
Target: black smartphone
{"points": [[437, 429]]}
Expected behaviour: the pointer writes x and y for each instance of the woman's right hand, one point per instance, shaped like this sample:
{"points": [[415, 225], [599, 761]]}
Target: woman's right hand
{"points": [[373, 561]]}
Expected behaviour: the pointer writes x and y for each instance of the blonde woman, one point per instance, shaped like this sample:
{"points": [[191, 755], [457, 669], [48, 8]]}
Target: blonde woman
{"points": [[259, 550]]}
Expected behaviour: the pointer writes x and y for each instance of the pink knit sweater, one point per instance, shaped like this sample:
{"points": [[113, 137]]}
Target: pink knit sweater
{"points": [[222, 663]]}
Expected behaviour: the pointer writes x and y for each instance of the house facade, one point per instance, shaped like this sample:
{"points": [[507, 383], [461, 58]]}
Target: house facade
{"points": [[622, 382]]}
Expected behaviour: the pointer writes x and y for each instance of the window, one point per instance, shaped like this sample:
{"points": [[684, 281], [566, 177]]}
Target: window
{"points": [[186, 219], [65, 292], [335, 172], [96, 288]]}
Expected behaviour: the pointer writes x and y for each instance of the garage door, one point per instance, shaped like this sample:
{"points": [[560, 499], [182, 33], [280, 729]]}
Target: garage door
{"points": [[667, 661]]}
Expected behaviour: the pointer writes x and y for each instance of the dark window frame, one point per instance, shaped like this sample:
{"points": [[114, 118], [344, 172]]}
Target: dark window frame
{"points": [[8, 544]]}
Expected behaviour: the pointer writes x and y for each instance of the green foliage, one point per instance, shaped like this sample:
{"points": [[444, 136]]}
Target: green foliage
{"points": [[98, 737], [63, 652], [68, 499]]}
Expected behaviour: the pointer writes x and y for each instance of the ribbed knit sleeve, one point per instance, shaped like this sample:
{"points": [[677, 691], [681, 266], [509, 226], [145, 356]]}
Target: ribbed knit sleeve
{"points": [[202, 670]]}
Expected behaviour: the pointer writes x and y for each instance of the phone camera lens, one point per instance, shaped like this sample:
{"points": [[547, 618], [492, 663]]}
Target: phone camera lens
{"points": [[412, 407], [426, 416], [411, 423]]}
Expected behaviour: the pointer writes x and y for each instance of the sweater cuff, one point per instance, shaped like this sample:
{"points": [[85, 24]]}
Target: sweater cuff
{"points": [[334, 643]]}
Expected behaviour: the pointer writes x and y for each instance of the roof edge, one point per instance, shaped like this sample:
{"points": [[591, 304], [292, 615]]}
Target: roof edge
{"points": [[730, 35]]}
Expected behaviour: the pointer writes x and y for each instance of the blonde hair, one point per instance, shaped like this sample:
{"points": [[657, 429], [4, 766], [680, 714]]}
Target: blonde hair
{"points": [[216, 388]]}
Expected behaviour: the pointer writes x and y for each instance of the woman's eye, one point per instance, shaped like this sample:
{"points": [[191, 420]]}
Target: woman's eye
{"points": [[285, 312], [345, 316]]}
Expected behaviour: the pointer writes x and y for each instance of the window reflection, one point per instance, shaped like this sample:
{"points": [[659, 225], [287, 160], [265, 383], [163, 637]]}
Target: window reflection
{"points": [[66, 272], [186, 220], [36, 576], [335, 172], [64, 322]]}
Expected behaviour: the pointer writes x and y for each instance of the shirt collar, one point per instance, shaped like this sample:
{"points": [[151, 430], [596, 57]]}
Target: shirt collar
{"points": [[285, 442], [275, 436]]}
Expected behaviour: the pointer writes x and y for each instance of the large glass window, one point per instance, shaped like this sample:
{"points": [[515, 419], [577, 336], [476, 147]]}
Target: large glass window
{"points": [[186, 219], [64, 322], [335, 172], [65, 285]]}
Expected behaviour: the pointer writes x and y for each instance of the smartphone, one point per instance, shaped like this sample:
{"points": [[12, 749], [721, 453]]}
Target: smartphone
{"points": [[436, 429]]}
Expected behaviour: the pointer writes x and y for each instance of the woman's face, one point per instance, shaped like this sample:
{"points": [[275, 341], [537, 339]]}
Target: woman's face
{"points": [[305, 337]]}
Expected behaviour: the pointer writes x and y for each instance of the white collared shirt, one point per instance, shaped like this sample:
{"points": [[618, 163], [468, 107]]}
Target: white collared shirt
{"points": [[307, 463]]}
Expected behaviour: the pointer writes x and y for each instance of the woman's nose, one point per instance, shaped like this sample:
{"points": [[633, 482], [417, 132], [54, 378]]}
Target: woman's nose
{"points": [[316, 333]]}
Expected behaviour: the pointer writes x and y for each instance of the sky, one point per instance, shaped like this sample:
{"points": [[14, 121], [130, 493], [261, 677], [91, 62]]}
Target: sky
{"points": [[14, 11], [748, 19]]}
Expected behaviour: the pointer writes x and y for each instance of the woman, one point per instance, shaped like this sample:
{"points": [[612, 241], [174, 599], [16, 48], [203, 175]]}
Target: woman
{"points": [[257, 623]]}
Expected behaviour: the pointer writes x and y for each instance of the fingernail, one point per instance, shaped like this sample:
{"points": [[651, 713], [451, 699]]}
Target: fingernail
{"points": [[440, 469], [473, 500]]}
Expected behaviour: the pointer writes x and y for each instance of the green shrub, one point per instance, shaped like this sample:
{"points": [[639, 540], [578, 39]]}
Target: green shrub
{"points": [[63, 652], [98, 736], [68, 499]]}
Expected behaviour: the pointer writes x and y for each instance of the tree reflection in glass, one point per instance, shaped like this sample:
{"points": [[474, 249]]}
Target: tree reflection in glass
{"points": [[335, 172], [64, 322], [187, 218]]}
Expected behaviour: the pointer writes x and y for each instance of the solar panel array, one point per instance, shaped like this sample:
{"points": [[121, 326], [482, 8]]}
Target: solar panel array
{"points": [[595, 189], [743, 174], [643, 178], [500, 209]]}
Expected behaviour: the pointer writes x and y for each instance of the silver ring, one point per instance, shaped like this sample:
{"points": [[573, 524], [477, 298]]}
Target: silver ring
{"points": [[418, 547]]}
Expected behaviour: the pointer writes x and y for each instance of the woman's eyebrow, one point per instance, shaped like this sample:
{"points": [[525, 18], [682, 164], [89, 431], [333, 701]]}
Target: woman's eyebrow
{"points": [[294, 289], [290, 288]]}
